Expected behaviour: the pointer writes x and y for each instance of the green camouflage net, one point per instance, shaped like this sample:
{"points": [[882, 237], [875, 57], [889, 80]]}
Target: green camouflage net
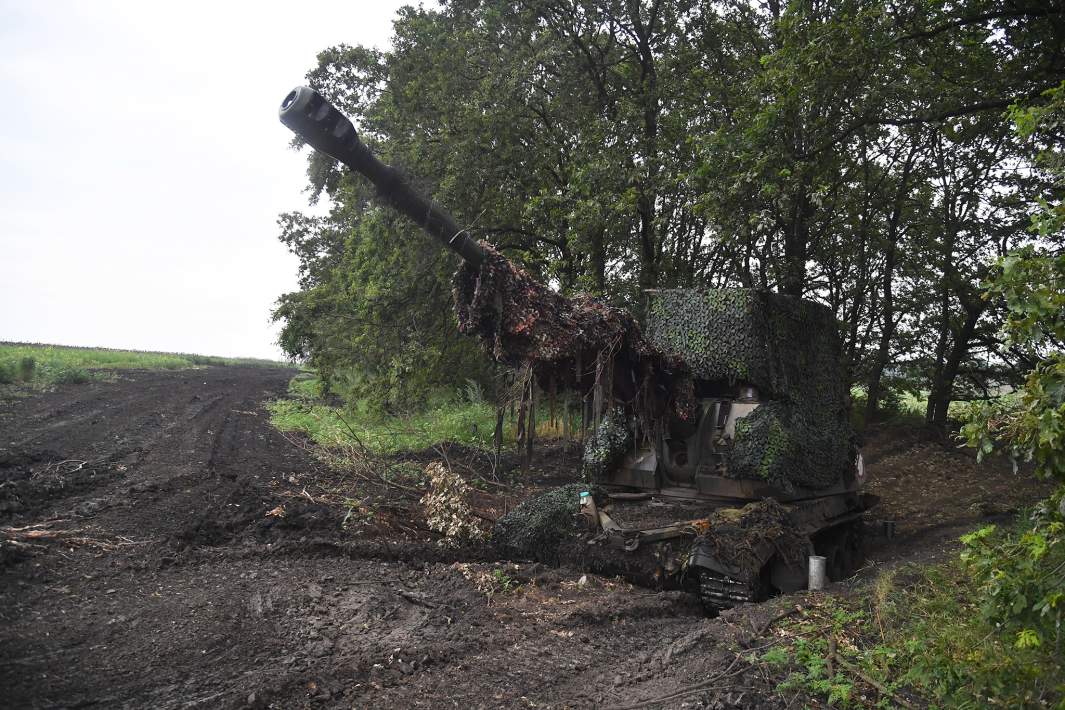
{"points": [[606, 446], [765, 446], [539, 526], [786, 347], [781, 444]]}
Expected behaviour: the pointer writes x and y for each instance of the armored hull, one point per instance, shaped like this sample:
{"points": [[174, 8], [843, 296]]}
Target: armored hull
{"points": [[730, 503]]}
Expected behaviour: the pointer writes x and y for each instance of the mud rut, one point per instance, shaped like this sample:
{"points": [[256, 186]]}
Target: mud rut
{"points": [[164, 583]]}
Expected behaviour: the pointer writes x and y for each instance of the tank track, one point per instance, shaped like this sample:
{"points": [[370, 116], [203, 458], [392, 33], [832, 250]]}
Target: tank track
{"points": [[718, 591]]}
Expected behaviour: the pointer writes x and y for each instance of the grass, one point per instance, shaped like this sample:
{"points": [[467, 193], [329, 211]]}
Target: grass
{"points": [[39, 365], [918, 632], [904, 407], [453, 417]]}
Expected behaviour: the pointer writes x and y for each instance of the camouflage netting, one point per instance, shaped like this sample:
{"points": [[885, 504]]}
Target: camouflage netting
{"points": [[521, 321], [782, 444], [786, 347], [738, 537], [606, 446], [541, 525]]}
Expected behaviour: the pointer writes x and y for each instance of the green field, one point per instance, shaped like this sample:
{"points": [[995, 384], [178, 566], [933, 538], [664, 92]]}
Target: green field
{"points": [[39, 365]]}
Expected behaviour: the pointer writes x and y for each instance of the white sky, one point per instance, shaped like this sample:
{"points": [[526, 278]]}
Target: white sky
{"points": [[142, 166]]}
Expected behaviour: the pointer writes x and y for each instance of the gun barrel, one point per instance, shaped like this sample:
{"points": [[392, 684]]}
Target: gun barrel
{"points": [[311, 117]]}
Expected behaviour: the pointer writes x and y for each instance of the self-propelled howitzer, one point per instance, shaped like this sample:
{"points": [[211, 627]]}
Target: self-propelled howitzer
{"points": [[726, 455]]}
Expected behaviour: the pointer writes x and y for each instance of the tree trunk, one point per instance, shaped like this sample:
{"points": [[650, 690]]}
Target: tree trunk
{"points": [[497, 435], [796, 243], [938, 365], [647, 199], [522, 405], [888, 323], [887, 334], [943, 394], [598, 261], [530, 425], [648, 250]]}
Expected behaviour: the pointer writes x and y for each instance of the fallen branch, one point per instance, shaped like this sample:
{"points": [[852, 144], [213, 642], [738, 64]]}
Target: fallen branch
{"points": [[483, 516], [708, 684], [769, 622], [25, 537], [854, 670], [414, 598], [34, 526], [59, 464]]}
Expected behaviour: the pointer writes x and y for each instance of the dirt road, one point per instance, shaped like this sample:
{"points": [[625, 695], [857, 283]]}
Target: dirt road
{"points": [[153, 575]]}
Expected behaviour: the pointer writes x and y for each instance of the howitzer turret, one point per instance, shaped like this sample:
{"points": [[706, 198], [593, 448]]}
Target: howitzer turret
{"points": [[732, 407]]}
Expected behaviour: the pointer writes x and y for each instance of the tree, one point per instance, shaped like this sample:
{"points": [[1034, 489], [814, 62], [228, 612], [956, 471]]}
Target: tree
{"points": [[1031, 282], [850, 153]]}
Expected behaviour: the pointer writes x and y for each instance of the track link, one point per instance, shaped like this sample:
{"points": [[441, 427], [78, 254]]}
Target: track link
{"points": [[719, 591]]}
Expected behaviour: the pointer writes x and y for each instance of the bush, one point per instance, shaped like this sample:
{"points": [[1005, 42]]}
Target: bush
{"points": [[27, 366], [447, 507], [306, 386], [72, 376], [445, 418], [7, 373], [977, 632], [1021, 575], [985, 631]]}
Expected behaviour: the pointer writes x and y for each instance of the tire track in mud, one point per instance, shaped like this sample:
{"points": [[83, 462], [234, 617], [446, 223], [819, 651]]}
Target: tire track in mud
{"points": [[164, 451], [212, 603]]}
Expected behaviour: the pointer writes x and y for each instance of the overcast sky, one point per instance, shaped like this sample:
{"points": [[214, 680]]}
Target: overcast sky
{"points": [[142, 166]]}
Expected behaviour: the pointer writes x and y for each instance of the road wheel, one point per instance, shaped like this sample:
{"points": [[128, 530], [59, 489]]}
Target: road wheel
{"points": [[841, 547], [851, 550]]}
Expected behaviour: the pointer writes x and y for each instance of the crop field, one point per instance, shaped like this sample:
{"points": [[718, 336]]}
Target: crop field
{"points": [[37, 364]]}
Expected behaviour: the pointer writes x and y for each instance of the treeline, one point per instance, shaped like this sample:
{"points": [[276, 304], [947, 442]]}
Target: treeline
{"points": [[858, 154]]}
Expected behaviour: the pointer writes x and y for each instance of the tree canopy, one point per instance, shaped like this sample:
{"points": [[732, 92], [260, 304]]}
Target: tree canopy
{"points": [[857, 154]]}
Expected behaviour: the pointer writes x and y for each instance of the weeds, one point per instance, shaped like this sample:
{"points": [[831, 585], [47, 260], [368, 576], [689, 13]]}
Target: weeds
{"points": [[462, 418], [357, 512], [72, 376], [305, 386], [467, 424], [26, 367], [503, 582], [898, 406], [983, 630], [492, 584]]}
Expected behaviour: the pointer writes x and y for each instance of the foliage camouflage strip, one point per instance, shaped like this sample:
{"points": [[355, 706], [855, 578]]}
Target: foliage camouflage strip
{"points": [[606, 446], [737, 537], [786, 347], [521, 321]]}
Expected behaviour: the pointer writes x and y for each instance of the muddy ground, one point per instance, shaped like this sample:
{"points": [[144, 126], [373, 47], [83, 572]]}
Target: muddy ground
{"points": [[174, 550]]}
